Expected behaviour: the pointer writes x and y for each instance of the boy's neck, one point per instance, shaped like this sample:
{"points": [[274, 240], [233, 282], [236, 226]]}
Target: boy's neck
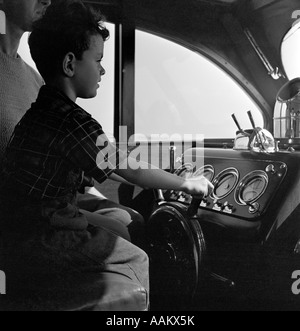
{"points": [[64, 87]]}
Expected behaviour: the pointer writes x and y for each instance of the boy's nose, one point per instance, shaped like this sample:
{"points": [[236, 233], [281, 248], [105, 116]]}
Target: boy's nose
{"points": [[102, 71]]}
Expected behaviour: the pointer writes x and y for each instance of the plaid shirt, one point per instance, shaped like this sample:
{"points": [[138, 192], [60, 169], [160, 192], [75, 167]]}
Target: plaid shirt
{"points": [[53, 145]]}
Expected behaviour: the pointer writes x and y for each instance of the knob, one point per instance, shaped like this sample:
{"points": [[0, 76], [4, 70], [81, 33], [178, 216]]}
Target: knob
{"points": [[204, 203], [182, 197], [218, 206], [254, 208], [228, 209], [271, 169]]}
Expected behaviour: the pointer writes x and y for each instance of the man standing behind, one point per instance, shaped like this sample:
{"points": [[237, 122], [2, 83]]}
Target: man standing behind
{"points": [[19, 84]]}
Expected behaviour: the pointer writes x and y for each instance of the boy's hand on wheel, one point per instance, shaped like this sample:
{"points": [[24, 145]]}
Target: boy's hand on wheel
{"points": [[198, 186]]}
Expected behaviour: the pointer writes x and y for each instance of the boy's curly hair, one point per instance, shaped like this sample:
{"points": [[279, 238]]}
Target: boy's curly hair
{"points": [[66, 27]]}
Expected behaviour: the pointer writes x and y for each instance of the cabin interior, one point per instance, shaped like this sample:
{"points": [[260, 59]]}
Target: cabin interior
{"points": [[238, 248], [249, 247]]}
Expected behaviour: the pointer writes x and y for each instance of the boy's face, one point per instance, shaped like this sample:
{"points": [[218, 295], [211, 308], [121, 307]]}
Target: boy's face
{"points": [[23, 13], [89, 70]]}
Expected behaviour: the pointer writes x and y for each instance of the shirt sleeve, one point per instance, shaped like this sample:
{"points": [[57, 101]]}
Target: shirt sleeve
{"points": [[87, 147]]}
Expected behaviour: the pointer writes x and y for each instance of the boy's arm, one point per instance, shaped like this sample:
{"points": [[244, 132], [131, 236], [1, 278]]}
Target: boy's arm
{"points": [[87, 146], [119, 179], [146, 176]]}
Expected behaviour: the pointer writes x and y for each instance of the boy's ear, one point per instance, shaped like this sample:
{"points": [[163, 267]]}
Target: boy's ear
{"points": [[69, 64]]}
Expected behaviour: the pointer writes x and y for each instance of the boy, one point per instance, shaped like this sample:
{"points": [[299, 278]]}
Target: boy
{"points": [[57, 141], [19, 88]]}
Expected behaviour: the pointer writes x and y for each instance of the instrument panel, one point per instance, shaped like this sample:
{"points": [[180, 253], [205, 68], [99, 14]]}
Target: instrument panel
{"points": [[243, 191]]}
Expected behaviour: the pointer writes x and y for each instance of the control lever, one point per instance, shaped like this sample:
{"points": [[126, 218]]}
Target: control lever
{"points": [[225, 281], [172, 159], [236, 122], [238, 126], [193, 209], [251, 119], [256, 130], [159, 196]]}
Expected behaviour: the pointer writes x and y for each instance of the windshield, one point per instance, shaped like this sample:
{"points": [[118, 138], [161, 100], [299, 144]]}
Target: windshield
{"points": [[179, 91], [291, 52]]}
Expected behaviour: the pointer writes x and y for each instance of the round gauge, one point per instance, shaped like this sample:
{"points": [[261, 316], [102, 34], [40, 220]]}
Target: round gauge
{"points": [[186, 171], [252, 187], [207, 171], [225, 183]]}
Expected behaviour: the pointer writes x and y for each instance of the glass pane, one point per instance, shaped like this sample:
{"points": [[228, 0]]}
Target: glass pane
{"points": [[101, 107], [179, 91], [291, 52], [24, 51]]}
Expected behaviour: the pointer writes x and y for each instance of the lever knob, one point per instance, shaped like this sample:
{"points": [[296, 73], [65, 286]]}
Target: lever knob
{"points": [[193, 209]]}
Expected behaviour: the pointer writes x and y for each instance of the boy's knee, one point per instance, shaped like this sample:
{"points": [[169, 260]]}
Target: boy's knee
{"points": [[137, 255], [117, 214], [141, 267], [137, 217], [144, 257]]}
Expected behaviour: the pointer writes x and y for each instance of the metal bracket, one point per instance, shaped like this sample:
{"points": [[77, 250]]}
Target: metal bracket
{"points": [[275, 73]]}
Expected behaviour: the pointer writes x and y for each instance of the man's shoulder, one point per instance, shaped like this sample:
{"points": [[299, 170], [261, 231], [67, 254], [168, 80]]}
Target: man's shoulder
{"points": [[34, 75], [15, 68]]}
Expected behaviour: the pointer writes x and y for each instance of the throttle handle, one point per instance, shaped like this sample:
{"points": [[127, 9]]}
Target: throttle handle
{"points": [[193, 209]]}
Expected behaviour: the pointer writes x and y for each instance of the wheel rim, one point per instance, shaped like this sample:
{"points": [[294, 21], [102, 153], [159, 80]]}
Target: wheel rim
{"points": [[177, 251]]}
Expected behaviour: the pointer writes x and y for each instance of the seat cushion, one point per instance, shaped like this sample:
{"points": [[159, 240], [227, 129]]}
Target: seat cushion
{"points": [[118, 294], [105, 291]]}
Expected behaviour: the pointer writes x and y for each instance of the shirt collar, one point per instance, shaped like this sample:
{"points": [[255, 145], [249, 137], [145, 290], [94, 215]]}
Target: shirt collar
{"points": [[52, 97]]}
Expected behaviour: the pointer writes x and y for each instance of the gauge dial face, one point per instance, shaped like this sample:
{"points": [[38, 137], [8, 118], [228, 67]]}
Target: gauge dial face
{"points": [[186, 171], [225, 183], [207, 171], [253, 190], [252, 187]]}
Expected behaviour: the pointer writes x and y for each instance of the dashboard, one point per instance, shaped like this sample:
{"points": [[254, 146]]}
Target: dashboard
{"points": [[243, 188]]}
